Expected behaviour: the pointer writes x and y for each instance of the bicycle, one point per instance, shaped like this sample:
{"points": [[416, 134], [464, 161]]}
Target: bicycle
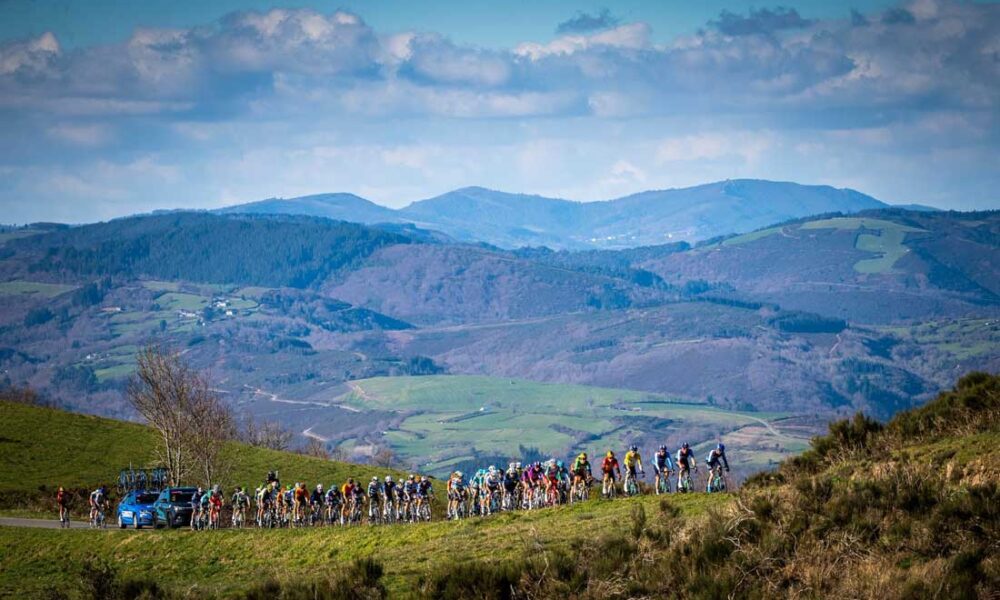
{"points": [[374, 514], [581, 490], [685, 485], [424, 509], [630, 487], [663, 482], [97, 521], [716, 482], [609, 490]]}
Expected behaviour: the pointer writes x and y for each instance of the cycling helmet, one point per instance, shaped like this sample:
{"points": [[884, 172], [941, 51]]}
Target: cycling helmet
{"points": [[388, 478], [663, 448], [350, 480], [458, 474], [634, 448], [583, 456], [298, 485], [492, 469], [559, 464], [722, 447], [610, 454], [374, 479], [319, 487], [686, 445]]}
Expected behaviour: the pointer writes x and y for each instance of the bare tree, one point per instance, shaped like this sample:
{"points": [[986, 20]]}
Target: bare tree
{"points": [[214, 426], [317, 449], [192, 422], [384, 457], [339, 454], [268, 434]]}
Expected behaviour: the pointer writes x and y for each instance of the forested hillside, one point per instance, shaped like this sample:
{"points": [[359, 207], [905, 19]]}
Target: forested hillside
{"points": [[199, 247]]}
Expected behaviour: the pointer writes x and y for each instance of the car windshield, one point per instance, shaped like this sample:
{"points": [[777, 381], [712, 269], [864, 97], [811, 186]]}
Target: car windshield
{"points": [[180, 496], [145, 498]]}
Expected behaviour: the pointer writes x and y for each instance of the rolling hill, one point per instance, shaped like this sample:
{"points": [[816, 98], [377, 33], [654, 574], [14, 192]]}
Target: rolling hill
{"points": [[44, 448], [877, 267], [476, 214]]}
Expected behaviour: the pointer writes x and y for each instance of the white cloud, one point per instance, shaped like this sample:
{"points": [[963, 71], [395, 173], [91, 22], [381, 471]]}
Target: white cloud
{"points": [[632, 36], [747, 147], [81, 134], [33, 54]]}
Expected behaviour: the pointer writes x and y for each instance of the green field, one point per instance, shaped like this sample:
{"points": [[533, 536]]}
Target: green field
{"points": [[888, 244], [6, 236], [35, 288], [45, 448], [447, 416], [963, 339], [751, 237]]}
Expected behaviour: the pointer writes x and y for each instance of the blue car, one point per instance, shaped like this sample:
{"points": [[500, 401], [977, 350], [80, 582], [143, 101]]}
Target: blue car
{"points": [[136, 509]]}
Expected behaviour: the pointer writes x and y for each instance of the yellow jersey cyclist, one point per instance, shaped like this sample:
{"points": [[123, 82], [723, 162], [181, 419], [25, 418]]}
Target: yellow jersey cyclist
{"points": [[633, 461]]}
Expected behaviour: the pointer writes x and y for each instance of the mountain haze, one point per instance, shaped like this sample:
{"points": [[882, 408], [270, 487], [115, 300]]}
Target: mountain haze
{"points": [[476, 214]]}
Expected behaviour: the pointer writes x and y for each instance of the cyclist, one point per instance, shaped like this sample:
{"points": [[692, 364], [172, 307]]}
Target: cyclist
{"points": [[662, 466], [610, 469], [334, 501], [214, 507], [240, 502], [477, 488], [61, 499], [316, 501], [98, 503], [456, 494], [685, 460], [409, 498], [581, 471], [511, 479], [491, 489], [196, 507], [532, 479], [633, 461], [300, 499], [424, 493], [551, 481], [374, 499], [389, 498], [347, 490], [399, 501], [359, 502], [716, 460]]}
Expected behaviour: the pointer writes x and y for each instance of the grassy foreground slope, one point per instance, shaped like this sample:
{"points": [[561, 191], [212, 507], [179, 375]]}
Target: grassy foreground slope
{"points": [[42, 448], [231, 562], [909, 509]]}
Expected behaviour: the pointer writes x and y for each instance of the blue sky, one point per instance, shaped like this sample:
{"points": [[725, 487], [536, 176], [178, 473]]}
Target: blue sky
{"points": [[112, 108]]}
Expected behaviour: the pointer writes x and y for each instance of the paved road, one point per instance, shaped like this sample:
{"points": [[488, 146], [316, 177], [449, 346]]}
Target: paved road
{"points": [[44, 523]]}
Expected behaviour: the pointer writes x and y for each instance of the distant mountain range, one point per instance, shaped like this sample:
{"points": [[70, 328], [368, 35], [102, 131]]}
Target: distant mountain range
{"points": [[476, 214]]}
